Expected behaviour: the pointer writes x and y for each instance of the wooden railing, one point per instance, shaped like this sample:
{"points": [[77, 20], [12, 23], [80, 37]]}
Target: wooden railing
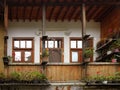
{"points": [[66, 72]]}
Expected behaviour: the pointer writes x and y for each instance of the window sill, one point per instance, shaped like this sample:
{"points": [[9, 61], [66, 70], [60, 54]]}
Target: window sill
{"points": [[24, 64], [48, 64]]}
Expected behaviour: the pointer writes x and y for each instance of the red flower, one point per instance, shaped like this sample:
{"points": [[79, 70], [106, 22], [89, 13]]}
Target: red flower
{"points": [[98, 72]]}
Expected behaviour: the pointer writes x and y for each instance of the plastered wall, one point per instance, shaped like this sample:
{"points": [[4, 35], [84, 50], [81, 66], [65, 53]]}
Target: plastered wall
{"points": [[53, 29]]}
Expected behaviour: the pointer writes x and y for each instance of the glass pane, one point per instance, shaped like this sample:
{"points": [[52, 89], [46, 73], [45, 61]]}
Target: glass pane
{"points": [[50, 44], [73, 44], [56, 44], [79, 44], [28, 44], [17, 56], [16, 44], [60, 44], [45, 44], [27, 56], [22, 44], [74, 56]]}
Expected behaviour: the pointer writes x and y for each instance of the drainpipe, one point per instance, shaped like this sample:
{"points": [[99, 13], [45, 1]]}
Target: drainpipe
{"points": [[84, 66]]}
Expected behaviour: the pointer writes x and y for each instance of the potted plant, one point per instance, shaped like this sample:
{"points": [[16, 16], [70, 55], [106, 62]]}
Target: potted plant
{"points": [[88, 53], [115, 46], [15, 77], [2, 77], [6, 59], [44, 56]]}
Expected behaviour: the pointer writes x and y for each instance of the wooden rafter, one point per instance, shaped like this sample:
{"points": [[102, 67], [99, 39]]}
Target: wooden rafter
{"points": [[30, 15], [96, 13], [51, 13], [73, 12], [106, 12], [91, 12], [59, 9], [37, 14], [58, 14], [17, 17], [77, 15], [77, 3], [64, 14], [24, 10]]}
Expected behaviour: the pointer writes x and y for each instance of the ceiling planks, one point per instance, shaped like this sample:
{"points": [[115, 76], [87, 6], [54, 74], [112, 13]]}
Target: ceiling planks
{"points": [[58, 9]]}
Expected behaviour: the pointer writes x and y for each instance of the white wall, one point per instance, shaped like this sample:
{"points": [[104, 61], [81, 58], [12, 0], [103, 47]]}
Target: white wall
{"points": [[53, 29]]}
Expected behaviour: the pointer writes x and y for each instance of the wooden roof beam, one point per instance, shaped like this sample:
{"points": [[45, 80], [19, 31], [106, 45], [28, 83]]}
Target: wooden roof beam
{"points": [[51, 13], [30, 15], [96, 13], [77, 3], [66, 12], [37, 14], [91, 12], [58, 14], [24, 9], [106, 13], [73, 12]]}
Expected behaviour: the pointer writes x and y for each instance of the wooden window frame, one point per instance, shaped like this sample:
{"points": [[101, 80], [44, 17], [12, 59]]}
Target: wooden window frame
{"points": [[74, 49], [62, 46], [23, 49], [78, 49]]}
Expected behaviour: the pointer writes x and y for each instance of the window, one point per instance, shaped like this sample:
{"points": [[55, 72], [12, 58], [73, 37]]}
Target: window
{"points": [[23, 50], [55, 47], [76, 49]]}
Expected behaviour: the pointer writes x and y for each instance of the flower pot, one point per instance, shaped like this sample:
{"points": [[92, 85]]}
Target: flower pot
{"points": [[45, 60], [5, 60], [109, 52], [87, 59], [105, 82], [114, 60]]}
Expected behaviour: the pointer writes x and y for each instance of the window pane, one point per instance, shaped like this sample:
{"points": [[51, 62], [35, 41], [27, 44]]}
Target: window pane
{"points": [[22, 44], [59, 44], [79, 44], [27, 56], [73, 44], [17, 56], [74, 56], [16, 44], [45, 44], [56, 44], [28, 44], [50, 44]]}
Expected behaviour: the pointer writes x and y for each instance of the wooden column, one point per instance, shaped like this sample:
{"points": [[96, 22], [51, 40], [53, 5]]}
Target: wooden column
{"points": [[43, 37], [5, 26], [83, 29], [84, 69]]}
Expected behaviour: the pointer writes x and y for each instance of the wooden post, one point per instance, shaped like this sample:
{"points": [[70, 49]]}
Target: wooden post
{"points": [[5, 26], [84, 69], [43, 34]]}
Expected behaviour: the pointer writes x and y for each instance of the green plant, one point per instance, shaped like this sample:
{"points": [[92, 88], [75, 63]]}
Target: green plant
{"points": [[15, 76], [2, 76], [88, 52], [45, 53], [38, 76], [115, 44]]}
